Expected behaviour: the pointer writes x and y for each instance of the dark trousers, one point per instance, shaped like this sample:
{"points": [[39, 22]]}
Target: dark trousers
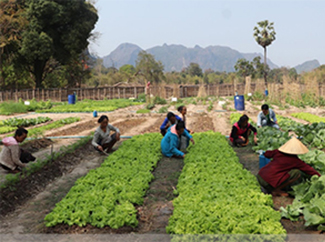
{"points": [[109, 144], [25, 157]]}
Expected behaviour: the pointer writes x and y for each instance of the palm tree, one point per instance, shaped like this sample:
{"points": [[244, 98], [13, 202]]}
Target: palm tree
{"points": [[264, 35]]}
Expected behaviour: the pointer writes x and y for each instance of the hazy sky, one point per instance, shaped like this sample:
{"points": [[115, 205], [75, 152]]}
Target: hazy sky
{"points": [[299, 26]]}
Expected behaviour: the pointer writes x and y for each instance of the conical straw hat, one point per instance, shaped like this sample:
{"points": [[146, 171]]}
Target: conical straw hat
{"points": [[294, 147]]}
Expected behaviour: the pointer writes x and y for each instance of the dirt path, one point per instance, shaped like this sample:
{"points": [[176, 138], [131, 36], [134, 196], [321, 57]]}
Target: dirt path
{"points": [[221, 122], [157, 208], [29, 217], [201, 123]]}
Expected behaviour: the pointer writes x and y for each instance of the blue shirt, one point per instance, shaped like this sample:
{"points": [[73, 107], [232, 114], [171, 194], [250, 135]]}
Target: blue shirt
{"points": [[162, 127], [170, 143]]}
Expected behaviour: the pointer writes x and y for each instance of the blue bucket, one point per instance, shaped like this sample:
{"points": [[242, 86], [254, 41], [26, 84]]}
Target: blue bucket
{"points": [[266, 92], [95, 114], [239, 102], [71, 99], [263, 161]]}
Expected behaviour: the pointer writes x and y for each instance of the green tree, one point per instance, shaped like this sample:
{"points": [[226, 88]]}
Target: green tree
{"points": [[12, 23], [259, 67], [147, 66], [194, 69], [264, 35], [293, 74], [244, 68], [57, 29], [127, 69]]}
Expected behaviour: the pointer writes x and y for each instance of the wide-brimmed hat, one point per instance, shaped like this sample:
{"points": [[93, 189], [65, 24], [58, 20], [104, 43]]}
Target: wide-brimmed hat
{"points": [[294, 147]]}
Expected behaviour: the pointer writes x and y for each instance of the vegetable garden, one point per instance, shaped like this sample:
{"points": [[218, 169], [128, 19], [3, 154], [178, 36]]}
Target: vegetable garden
{"points": [[215, 193]]}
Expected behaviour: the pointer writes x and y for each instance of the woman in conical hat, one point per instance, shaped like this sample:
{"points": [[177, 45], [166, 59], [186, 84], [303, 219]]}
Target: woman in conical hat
{"points": [[285, 169]]}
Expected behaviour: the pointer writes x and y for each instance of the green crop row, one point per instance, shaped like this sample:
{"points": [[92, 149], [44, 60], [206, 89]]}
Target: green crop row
{"points": [[54, 125], [21, 122], [308, 117], [218, 196], [8, 108], [107, 195], [91, 105]]}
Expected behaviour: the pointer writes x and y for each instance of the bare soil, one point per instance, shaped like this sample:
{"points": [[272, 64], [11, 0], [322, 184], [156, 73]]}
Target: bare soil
{"points": [[202, 123], [12, 197], [157, 208], [36, 145], [77, 128]]}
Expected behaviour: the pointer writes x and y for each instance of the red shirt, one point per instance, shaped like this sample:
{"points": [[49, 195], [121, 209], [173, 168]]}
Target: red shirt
{"points": [[276, 172]]}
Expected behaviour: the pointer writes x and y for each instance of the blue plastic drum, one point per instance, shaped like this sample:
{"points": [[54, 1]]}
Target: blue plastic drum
{"points": [[71, 99], [95, 114], [239, 102]]}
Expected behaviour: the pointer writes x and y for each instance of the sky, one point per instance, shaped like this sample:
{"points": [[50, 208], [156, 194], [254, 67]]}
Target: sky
{"points": [[299, 26]]}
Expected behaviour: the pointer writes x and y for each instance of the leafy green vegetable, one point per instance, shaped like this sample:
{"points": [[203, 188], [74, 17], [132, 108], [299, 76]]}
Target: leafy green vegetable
{"points": [[91, 105], [218, 196], [106, 196]]}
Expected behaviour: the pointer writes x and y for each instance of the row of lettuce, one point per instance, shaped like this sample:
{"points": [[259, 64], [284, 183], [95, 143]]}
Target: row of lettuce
{"points": [[216, 195], [107, 196], [11, 124], [309, 195], [8, 108]]}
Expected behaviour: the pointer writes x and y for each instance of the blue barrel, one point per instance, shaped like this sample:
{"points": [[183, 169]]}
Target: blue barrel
{"points": [[71, 99], [263, 161], [266, 92], [239, 102], [95, 114]]}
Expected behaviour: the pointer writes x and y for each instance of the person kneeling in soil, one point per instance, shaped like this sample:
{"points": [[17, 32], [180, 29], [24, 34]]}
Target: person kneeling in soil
{"points": [[12, 158], [102, 139], [170, 144], [286, 169], [170, 120], [241, 131]]}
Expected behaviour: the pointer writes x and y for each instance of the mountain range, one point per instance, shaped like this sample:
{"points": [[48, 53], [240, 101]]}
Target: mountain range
{"points": [[177, 57]]}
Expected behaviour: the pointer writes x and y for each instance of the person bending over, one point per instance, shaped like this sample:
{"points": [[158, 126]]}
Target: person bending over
{"points": [[267, 118], [170, 120], [170, 144], [285, 168], [11, 156], [240, 132], [102, 139]]}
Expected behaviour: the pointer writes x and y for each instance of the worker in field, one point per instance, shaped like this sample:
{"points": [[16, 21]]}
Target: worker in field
{"points": [[12, 158], [183, 112], [170, 120], [170, 144], [267, 118], [102, 140], [285, 168], [241, 131]]}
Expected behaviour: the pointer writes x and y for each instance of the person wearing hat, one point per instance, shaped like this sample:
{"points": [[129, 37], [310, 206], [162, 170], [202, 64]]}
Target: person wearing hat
{"points": [[285, 169]]}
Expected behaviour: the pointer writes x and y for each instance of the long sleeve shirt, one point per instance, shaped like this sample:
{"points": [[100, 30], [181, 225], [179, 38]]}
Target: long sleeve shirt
{"points": [[163, 126], [170, 142], [101, 135], [10, 154], [276, 172], [270, 117]]}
